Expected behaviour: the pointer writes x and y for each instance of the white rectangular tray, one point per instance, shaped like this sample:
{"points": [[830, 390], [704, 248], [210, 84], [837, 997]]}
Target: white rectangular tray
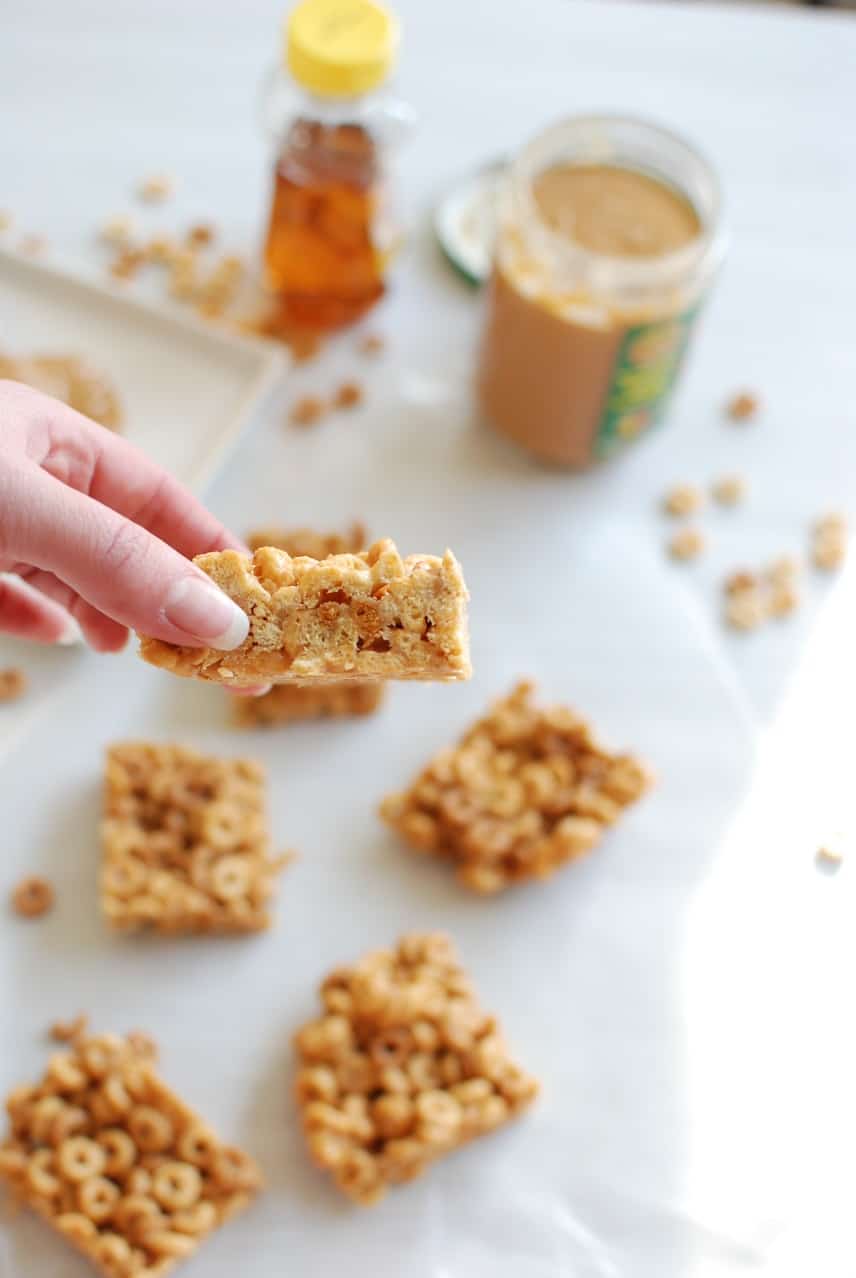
{"points": [[187, 389]]}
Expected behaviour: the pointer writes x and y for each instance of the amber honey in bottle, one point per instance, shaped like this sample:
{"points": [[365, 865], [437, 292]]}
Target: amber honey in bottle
{"points": [[329, 238]]}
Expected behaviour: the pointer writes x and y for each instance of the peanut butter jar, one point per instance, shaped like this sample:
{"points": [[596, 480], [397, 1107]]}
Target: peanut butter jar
{"points": [[609, 234]]}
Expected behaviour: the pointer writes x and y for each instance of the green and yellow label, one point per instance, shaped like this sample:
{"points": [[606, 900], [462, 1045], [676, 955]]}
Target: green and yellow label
{"points": [[644, 373]]}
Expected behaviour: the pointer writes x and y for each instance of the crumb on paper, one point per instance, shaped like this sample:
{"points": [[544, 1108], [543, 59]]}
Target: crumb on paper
{"points": [[686, 543], [118, 230], [33, 897], [524, 791], [830, 855], [402, 1067], [161, 249], [114, 1161], [729, 490], [829, 541], [371, 344], [6, 220], [70, 1031], [13, 683], [348, 395], [746, 609], [156, 188], [743, 406], [784, 570], [683, 499], [127, 263], [783, 599], [307, 411], [200, 235]]}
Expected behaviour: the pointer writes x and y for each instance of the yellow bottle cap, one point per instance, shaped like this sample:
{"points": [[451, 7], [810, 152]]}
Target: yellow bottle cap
{"points": [[340, 48]]}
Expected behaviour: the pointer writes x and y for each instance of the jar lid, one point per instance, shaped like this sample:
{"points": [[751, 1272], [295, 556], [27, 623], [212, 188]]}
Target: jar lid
{"points": [[340, 48]]}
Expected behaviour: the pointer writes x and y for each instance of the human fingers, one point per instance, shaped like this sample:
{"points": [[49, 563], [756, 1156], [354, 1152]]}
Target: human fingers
{"points": [[28, 614], [116, 565]]}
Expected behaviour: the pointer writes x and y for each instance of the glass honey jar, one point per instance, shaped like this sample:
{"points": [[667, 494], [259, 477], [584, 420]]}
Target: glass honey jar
{"points": [[331, 235]]}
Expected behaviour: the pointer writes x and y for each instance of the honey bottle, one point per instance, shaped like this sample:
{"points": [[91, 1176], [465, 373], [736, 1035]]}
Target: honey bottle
{"points": [[330, 236]]}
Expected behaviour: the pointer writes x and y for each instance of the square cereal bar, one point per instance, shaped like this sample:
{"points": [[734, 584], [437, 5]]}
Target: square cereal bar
{"points": [[185, 842], [117, 1163], [402, 1067], [371, 615], [524, 790], [309, 544], [289, 702]]}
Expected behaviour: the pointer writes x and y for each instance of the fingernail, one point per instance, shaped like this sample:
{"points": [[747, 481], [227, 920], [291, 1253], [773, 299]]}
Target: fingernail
{"points": [[71, 633], [205, 613]]}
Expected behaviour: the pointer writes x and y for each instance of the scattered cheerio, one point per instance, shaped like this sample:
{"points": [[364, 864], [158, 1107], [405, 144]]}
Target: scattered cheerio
{"points": [[686, 543], [743, 406], [683, 499]]}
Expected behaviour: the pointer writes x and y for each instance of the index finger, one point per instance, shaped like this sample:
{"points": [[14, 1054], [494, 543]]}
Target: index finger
{"points": [[111, 470]]}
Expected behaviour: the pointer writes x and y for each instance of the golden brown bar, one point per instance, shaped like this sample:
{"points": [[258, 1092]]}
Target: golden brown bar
{"points": [[524, 790], [110, 1157], [371, 615], [402, 1067], [185, 842]]}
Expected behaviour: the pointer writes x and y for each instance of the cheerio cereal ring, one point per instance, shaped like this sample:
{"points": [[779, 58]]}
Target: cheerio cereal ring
{"points": [[40, 1174], [151, 1129], [123, 878], [176, 1186], [233, 1169], [100, 1055], [97, 1197], [196, 1220], [120, 1152], [230, 877], [78, 1158], [76, 1226], [33, 897], [197, 1144], [167, 1242], [113, 1253], [137, 1214]]}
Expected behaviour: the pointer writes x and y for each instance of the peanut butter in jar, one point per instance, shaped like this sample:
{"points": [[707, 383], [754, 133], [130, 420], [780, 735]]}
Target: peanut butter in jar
{"points": [[609, 234]]}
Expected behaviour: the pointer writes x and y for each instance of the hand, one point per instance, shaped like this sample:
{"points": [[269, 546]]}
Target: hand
{"points": [[95, 538]]}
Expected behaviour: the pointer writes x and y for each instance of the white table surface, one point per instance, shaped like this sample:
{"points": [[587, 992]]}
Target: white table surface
{"points": [[686, 993]]}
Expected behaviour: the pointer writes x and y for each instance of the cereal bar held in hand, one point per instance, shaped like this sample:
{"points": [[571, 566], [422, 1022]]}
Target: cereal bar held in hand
{"points": [[402, 1067], [291, 702], [371, 615], [526, 789], [117, 1163], [186, 845]]}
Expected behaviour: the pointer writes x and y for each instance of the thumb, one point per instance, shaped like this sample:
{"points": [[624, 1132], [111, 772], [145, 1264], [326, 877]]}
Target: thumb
{"points": [[119, 567]]}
